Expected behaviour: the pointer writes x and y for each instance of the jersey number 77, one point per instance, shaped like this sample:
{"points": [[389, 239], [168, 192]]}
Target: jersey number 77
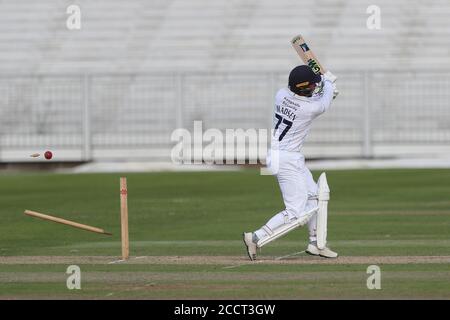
{"points": [[286, 129]]}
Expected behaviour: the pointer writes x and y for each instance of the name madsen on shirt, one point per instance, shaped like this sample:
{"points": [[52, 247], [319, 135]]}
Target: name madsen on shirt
{"points": [[286, 108]]}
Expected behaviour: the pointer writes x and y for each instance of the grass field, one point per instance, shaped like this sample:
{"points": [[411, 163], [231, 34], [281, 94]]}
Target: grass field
{"points": [[185, 233]]}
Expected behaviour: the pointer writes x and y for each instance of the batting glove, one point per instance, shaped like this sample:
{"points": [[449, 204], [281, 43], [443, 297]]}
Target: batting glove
{"points": [[329, 76], [335, 91]]}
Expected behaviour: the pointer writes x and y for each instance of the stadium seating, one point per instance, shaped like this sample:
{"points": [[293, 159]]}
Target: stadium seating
{"points": [[133, 64]]}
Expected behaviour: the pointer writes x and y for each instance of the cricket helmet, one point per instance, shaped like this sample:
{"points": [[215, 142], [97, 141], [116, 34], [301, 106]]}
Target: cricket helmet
{"points": [[301, 79]]}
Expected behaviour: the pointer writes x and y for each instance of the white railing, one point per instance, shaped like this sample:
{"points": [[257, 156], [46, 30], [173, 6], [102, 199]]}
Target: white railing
{"points": [[107, 117]]}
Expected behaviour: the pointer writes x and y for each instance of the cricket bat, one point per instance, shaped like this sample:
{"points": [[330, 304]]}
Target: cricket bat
{"points": [[307, 55]]}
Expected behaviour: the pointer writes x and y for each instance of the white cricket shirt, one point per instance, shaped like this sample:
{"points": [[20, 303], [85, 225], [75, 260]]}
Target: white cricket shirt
{"points": [[293, 116]]}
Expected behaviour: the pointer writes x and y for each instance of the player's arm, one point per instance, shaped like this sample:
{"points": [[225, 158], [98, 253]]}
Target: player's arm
{"points": [[331, 77], [329, 92], [326, 98]]}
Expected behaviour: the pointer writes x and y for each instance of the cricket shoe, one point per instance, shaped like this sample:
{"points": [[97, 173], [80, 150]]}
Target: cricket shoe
{"points": [[325, 252], [251, 246]]}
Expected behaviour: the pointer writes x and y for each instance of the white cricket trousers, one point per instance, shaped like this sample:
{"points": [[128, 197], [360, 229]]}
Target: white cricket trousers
{"points": [[298, 188]]}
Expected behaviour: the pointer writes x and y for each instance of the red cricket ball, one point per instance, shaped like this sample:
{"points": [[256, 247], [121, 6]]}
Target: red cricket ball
{"points": [[48, 155]]}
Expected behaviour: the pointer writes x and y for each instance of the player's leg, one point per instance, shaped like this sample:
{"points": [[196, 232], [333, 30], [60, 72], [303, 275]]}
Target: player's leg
{"points": [[293, 188], [314, 199], [312, 202]]}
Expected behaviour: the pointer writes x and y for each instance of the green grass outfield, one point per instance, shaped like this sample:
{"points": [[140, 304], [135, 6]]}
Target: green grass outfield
{"points": [[185, 233]]}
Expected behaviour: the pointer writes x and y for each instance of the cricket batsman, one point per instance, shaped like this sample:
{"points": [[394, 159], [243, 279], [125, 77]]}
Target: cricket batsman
{"points": [[296, 106]]}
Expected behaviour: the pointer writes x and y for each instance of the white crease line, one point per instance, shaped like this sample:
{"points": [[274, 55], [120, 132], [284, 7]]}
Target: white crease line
{"points": [[116, 261], [243, 264], [290, 255], [121, 260]]}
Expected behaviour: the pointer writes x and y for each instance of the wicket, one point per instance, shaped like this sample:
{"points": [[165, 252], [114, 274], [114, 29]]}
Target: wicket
{"points": [[123, 220], [124, 217], [66, 222]]}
